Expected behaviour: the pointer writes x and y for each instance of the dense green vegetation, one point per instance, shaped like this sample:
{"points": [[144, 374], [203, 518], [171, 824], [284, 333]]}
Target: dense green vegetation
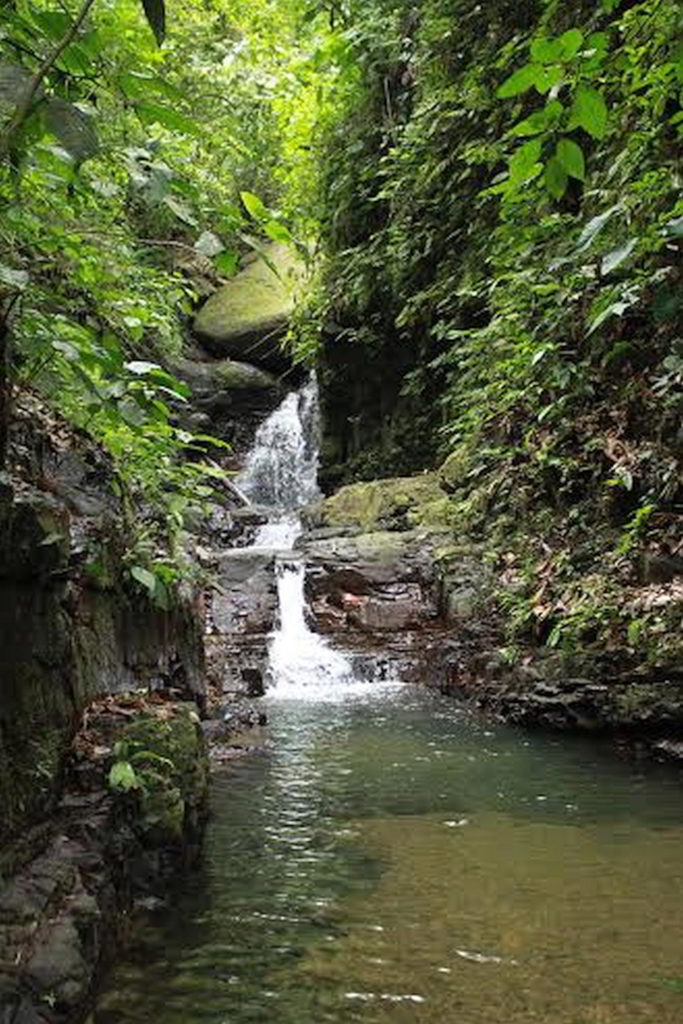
{"points": [[496, 196], [503, 219], [140, 162]]}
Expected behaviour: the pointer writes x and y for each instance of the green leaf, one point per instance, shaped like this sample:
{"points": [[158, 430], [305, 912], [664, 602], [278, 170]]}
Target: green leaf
{"points": [[532, 125], [181, 210], [145, 577], [519, 81], [155, 113], [122, 776], [571, 157], [595, 226], [547, 77], [571, 43], [590, 111], [254, 206], [546, 51], [555, 178], [226, 263], [524, 160], [156, 17], [277, 231]]}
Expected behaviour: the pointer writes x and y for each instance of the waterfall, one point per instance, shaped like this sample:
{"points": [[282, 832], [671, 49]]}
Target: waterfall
{"points": [[281, 470], [280, 474]]}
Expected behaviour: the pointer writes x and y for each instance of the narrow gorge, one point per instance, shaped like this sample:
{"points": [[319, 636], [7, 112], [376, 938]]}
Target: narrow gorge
{"points": [[341, 490]]}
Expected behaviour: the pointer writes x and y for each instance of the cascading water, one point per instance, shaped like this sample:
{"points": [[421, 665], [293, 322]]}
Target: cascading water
{"points": [[281, 470], [281, 475]]}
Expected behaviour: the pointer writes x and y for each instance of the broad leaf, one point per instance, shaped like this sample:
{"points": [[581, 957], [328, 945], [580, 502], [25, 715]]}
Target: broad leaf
{"points": [[145, 577], [595, 226], [156, 16], [523, 162], [74, 129], [570, 42], [555, 178], [546, 51], [590, 111], [617, 256], [155, 113], [122, 776], [571, 157], [277, 231], [519, 81], [254, 206], [181, 210]]}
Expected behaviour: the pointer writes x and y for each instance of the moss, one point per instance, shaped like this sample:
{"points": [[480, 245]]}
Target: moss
{"points": [[167, 752], [400, 502], [255, 302]]}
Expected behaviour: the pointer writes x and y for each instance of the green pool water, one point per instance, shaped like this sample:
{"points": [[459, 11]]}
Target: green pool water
{"points": [[390, 857]]}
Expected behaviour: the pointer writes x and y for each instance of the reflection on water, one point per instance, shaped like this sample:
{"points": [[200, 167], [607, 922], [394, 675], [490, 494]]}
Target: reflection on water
{"points": [[391, 858]]}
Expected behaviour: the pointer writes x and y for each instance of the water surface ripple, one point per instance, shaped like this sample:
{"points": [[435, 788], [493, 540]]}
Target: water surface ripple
{"points": [[389, 857]]}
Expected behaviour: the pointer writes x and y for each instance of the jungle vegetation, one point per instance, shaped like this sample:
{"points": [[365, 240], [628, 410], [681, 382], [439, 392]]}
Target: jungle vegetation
{"points": [[493, 194]]}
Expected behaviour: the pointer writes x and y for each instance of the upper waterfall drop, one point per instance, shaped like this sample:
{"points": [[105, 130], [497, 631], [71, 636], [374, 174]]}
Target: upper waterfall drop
{"points": [[281, 468]]}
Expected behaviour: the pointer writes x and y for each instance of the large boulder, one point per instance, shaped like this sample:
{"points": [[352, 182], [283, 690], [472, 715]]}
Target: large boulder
{"points": [[248, 316]]}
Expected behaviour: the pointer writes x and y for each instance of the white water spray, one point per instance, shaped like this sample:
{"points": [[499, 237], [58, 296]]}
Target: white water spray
{"points": [[281, 474]]}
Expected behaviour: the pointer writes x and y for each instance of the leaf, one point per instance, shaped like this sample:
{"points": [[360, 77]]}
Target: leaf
{"points": [[523, 161], [617, 256], [181, 210], [156, 17], [555, 178], [74, 129], [590, 111], [140, 367], [570, 155], [226, 263], [145, 577], [519, 81], [277, 231], [254, 206], [155, 113], [122, 776], [547, 77], [17, 279], [594, 227], [570, 42], [531, 125], [14, 79], [546, 51], [208, 244]]}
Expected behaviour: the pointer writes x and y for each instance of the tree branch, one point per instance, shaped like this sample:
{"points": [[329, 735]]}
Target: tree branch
{"points": [[24, 105]]}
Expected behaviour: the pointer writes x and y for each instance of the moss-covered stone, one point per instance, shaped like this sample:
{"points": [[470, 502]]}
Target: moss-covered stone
{"points": [[399, 503], [246, 317]]}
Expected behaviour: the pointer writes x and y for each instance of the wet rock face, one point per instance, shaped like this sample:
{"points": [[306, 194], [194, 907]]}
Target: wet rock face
{"points": [[241, 615], [377, 582], [104, 849]]}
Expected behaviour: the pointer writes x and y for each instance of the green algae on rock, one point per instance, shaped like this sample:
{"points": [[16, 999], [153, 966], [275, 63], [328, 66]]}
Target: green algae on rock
{"points": [[248, 316]]}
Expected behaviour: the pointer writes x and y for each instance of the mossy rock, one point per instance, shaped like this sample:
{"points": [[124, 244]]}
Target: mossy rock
{"points": [[398, 503], [247, 316], [169, 758], [208, 379]]}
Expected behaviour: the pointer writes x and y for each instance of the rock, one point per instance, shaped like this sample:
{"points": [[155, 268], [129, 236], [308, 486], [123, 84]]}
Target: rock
{"points": [[248, 316], [57, 965], [209, 379], [397, 503], [374, 582], [246, 601]]}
